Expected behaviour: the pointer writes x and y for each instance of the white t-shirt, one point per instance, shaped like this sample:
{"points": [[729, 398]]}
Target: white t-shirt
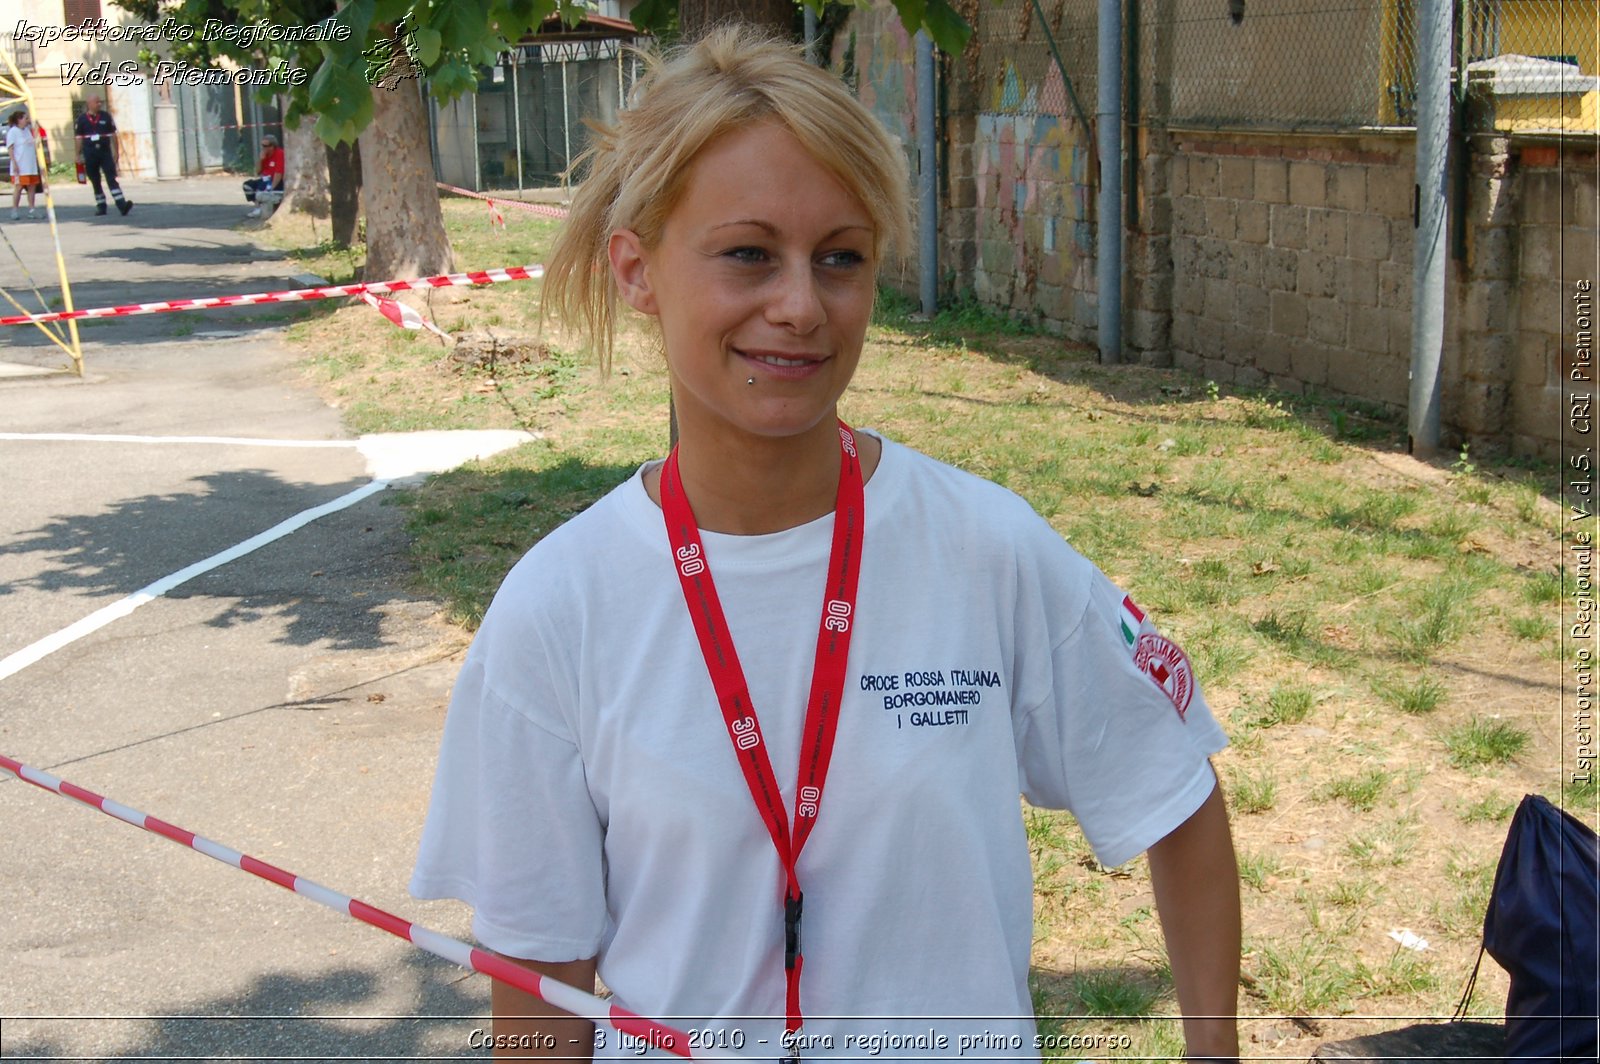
{"points": [[587, 800], [24, 156]]}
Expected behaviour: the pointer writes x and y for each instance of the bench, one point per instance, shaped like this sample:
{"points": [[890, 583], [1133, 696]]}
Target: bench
{"points": [[268, 200]]}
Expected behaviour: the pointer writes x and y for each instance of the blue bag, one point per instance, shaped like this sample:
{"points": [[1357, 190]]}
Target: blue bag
{"points": [[1543, 927]]}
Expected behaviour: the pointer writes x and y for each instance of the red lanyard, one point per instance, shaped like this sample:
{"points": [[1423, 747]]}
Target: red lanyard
{"points": [[733, 692]]}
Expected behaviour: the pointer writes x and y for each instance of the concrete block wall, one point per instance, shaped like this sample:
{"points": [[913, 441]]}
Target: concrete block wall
{"points": [[1551, 246], [1291, 261]]}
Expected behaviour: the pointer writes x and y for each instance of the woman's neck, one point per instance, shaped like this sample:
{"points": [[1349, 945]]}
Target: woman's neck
{"points": [[762, 485]]}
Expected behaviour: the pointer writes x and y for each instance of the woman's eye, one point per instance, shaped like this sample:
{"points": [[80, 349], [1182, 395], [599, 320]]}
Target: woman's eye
{"points": [[747, 254], [843, 258]]}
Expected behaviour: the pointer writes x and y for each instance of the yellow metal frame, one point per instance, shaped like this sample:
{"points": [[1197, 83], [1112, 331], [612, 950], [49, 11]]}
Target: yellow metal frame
{"points": [[14, 89]]}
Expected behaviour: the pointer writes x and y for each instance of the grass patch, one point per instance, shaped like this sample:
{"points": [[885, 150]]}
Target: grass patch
{"points": [[1286, 704], [1109, 993], [1484, 741], [1311, 977], [1414, 698], [1257, 869], [1405, 972], [1253, 792], [1465, 898], [1351, 893], [1438, 617], [1531, 627], [1384, 846], [1491, 809], [1360, 792]]}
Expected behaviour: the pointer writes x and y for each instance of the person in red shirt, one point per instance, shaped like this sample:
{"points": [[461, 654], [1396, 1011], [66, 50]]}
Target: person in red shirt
{"points": [[271, 170]]}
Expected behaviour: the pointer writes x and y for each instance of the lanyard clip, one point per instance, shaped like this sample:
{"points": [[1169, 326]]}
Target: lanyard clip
{"points": [[792, 905], [791, 1047]]}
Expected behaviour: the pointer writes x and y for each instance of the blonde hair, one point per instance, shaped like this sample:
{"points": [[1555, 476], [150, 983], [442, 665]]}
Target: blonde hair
{"points": [[726, 81]]}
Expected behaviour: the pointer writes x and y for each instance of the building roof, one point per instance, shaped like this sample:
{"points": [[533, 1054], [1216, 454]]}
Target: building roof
{"points": [[591, 27]]}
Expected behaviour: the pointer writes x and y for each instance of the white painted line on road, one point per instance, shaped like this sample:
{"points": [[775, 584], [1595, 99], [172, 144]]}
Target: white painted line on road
{"points": [[15, 663], [241, 441]]}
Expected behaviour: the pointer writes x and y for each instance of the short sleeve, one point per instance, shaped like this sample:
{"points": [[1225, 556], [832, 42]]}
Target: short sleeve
{"points": [[512, 829], [1123, 738]]}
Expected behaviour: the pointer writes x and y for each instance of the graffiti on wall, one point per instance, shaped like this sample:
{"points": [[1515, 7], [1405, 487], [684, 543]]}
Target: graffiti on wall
{"points": [[1032, 157], [886, 62]]}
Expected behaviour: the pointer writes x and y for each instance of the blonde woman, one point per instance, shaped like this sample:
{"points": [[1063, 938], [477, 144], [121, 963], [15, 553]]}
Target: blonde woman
{"points": [[747, 736]]}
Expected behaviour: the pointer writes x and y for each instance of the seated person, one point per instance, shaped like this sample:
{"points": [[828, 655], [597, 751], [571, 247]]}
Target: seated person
{"points": [[271, 169]]}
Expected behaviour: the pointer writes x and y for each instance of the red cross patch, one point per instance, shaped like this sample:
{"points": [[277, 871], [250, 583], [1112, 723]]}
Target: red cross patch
{"points": [[1165, 662]]}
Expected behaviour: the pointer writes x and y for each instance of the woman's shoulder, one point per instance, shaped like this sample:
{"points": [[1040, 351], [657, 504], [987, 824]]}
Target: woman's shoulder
{"points": [[601, 542]]}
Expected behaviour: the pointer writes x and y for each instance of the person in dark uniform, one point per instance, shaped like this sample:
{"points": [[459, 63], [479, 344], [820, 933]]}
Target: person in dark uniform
{"points": [[97, 150]]}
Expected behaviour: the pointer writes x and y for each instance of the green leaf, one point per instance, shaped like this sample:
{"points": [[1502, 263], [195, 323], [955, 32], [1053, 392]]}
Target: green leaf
{"points": [[947, 28], [654, 16], [428, 40], [342, 98], [911, 13], [389, 12], [358, 16]]}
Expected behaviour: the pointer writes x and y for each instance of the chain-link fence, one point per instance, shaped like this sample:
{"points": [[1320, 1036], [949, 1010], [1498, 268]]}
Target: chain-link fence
{"points": [[1290, 65], [1531, 65], [1277, 64], [1036, 57]]}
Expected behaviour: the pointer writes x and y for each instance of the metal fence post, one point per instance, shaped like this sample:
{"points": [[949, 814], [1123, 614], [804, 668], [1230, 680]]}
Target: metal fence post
{"points": [[566, 121], [1108, 242], [516, 110], [927, 177], [1431, 250]]}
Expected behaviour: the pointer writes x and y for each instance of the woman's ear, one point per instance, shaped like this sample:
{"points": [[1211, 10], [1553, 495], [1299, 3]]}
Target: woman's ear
{"points": [[630, 269]]}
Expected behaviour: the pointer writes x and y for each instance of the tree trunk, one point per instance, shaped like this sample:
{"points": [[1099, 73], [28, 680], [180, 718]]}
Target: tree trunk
{"points": [[781, 18], [344, 191], [405, 227], [306, 181]]}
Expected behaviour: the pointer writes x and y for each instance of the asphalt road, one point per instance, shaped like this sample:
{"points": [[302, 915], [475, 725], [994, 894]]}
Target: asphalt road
{"points": [[286, 704]]}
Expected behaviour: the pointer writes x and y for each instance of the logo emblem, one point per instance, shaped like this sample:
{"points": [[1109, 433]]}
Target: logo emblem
{"points": [[1164, 662]]}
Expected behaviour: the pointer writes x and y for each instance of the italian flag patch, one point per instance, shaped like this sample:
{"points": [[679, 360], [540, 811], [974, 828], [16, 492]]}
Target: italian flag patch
{"points": [[1132, 617]]}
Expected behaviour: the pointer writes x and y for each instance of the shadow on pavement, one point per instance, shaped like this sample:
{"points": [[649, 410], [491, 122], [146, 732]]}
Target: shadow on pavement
{"points": [[326, 583], [289, 1017]]}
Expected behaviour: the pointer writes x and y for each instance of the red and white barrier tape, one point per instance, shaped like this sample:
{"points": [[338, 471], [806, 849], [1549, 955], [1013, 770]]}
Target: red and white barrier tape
{"points": [[402, 315], [649, 1032], [546, 209], [444, 280]]}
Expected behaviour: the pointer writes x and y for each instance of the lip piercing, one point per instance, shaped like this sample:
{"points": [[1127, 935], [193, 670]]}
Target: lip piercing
{"points": [[752, 380]]}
